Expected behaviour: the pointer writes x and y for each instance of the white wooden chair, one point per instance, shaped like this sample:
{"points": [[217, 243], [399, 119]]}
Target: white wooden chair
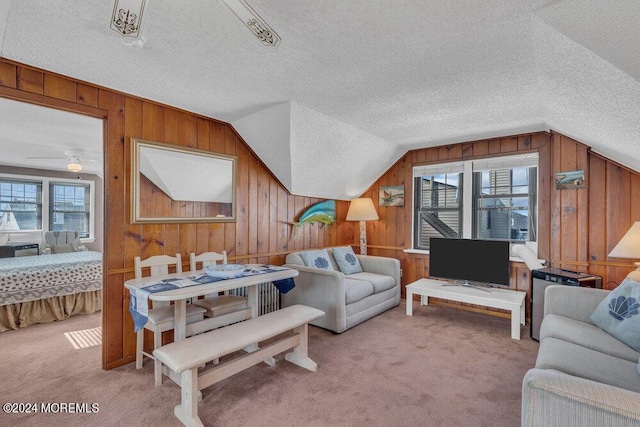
{"points": [[160, 317], [216, 305]]}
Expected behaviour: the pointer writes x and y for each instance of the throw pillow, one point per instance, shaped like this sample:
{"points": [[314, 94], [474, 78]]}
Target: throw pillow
{"points": [[317, 259], [346, 260], [619, 313], [62, 249]]}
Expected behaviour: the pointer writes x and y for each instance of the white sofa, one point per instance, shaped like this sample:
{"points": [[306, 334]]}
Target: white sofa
{"points": [[583, 376], [347, 300]]}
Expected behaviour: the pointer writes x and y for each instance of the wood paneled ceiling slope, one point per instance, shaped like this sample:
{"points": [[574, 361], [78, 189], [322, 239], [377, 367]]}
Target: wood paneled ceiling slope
{"points": [[353, 85]]}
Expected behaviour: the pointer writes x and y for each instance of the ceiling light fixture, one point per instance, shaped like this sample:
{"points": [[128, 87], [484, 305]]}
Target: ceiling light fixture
{"points": [[127, 19], [74, 166], [250, 18]]}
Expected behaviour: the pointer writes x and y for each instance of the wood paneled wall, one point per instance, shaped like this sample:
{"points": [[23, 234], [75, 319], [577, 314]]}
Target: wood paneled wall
{"points": [[576, 227], [262, 233], [587, 223]]}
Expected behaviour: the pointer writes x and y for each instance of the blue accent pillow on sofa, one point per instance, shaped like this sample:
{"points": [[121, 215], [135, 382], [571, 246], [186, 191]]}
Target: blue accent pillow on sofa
{"points": [[619, 313], [317, 259], [346, 259]]}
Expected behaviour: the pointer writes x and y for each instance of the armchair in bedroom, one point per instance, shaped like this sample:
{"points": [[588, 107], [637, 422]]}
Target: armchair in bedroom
{"points": [[55, 242]]}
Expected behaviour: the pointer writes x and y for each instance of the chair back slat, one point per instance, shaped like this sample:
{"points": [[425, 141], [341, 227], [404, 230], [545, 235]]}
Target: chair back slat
{"points": [[206, 258], [158, 265]]}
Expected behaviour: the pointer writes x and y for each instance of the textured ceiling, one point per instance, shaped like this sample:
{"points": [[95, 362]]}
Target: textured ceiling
{"points": [[355, 84]]}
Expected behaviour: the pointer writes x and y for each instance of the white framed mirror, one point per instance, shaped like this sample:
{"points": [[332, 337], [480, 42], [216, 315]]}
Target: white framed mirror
{"points": [[171, 184]]}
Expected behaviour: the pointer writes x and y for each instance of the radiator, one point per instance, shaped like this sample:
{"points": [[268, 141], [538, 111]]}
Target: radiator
{"points": [[268, 297]]}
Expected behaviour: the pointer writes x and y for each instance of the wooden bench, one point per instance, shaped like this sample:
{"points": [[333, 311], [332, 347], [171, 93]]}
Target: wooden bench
{"points": [[184, 357]]}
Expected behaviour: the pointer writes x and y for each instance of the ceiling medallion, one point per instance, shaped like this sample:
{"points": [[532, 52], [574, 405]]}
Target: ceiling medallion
{"points": [[256, 25], [127, 18]]}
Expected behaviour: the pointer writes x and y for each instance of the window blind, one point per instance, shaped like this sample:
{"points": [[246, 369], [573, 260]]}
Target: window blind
{"points": [[506, 162], [437, 169]]}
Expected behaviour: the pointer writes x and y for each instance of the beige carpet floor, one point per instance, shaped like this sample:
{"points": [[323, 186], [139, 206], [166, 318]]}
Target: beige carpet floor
{"points": [[441, 367]]}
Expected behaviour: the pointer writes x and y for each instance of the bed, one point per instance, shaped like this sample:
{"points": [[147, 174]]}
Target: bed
{"points": [[45, 288]]}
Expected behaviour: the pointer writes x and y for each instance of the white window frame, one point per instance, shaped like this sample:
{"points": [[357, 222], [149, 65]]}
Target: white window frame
{"points": [[46, 181], [468, 167]]}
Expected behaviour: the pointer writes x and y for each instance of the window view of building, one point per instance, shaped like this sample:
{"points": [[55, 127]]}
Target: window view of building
{"points": [[439, 207], [39, 205], [500, 205], [20, 205], [505, 201], [70, 208]]}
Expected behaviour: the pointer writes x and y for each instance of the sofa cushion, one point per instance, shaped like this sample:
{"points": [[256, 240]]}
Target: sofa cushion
{"points": [[317, 259], [355, 290], [582, 362], [380, 282], [363, 308], [619, 313], [585, 335], [346, 259]]}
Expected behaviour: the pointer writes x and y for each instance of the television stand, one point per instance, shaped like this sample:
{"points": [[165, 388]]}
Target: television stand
{"points": [[505, 299], [468, 285]]}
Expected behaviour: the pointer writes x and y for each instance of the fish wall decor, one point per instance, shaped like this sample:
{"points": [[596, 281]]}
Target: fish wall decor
{"points": [[323, 212]]}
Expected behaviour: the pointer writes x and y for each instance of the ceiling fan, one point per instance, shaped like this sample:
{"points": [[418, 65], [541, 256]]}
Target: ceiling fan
{"points": [[73, 156]]}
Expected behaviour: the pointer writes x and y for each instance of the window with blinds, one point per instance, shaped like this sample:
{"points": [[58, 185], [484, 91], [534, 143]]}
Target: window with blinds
{"points": [[500, 205], [46, 203], [438, 203], [505, 204], [70, 207], [20, 205]]}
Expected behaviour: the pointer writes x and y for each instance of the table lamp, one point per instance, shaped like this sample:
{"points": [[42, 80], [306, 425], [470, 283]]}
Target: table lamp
{"points": [[362, 210], [629, 247]]}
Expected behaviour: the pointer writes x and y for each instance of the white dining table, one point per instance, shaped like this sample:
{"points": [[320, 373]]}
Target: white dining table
{"points": [[180, 296]]}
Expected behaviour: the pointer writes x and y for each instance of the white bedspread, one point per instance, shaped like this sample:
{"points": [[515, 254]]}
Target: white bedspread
{"points": [[33, 278]]}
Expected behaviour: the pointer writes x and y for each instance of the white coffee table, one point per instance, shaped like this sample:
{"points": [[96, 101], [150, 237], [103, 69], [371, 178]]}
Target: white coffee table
{"points": [[505, 299]]}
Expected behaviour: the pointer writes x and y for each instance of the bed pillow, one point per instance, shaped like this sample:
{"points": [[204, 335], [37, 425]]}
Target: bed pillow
{"points": [[346, 259], [62, 249], [4, 238], [317, 259], [619, 313]]}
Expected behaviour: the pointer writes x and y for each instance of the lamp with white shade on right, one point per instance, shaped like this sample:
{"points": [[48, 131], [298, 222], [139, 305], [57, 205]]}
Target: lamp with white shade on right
{"points": [[629, 247]]}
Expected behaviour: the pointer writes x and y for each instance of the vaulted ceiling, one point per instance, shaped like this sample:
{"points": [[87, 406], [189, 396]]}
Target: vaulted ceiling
{"points": [[354, 84]]}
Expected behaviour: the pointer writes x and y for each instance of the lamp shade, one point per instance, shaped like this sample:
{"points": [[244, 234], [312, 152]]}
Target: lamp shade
{"points": [[362, 210], [629, 245]]}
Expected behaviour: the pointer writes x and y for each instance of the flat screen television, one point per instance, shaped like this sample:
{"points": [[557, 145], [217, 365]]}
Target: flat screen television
{"points": [[479, 262]]}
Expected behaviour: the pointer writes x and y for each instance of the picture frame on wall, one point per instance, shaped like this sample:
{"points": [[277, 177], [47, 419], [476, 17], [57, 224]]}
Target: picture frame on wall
{"points": [[567, 180], [392, 196]]}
